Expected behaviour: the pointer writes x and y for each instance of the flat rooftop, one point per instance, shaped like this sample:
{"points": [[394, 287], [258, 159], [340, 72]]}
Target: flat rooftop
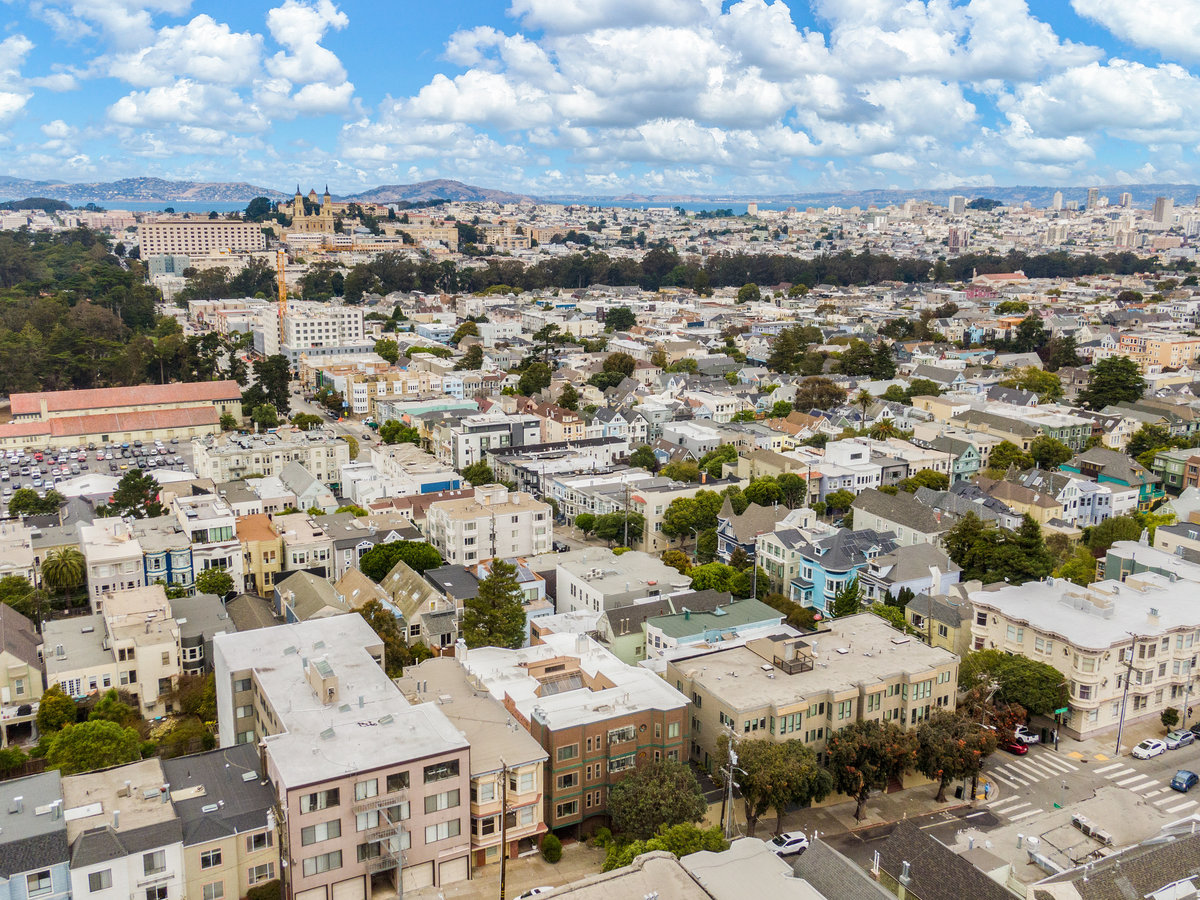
{"points": [[326, 740], [91, 799]]}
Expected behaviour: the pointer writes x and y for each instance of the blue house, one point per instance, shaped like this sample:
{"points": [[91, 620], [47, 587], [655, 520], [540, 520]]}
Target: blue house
{"points": [[166, 552], [830, 563], [33, 842]]}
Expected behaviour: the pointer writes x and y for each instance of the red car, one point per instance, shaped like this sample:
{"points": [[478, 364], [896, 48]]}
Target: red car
{"points": [[1015, 747]]}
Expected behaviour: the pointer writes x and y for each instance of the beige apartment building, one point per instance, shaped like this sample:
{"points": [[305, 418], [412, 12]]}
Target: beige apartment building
{"points": [[373, 791], [507, 764], [199, 237], [495, 522], [232, 457], [1143, 630], [784, 688]]}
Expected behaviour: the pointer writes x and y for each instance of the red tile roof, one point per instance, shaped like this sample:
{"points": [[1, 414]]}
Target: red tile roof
{"points": [[115, 423], [140, 395]]}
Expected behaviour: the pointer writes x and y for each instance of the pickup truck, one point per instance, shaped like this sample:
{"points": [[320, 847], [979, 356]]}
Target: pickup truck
{"points": [[1025, 736]]}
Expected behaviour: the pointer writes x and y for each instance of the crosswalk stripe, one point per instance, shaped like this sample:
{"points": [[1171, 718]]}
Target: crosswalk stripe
{"points": [[1008, 806], [1032, 812], [1109, 768], [1165, 800], [1181, 806], [1055, 763], [1041, 772], [1004, 780], [1133, 780], [1153, 793], [1120, 774]]}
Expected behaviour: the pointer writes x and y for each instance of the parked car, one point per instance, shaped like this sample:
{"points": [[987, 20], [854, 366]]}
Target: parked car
{"points": [[1179, 738], [1184, 781], [1015, 747], [789, 842], [1149, 748], [1025, 736], [535, 892]]}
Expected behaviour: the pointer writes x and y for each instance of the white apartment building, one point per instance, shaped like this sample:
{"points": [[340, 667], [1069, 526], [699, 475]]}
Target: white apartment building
{"points": [[469, 440], [398, 470], [211, 525], [596, 579], [495, 522], [1145, 629], [316, 330], [113, 558], [200, 237], [229, 458]]}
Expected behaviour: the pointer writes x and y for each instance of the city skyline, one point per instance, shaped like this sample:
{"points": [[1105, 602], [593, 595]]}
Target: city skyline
{"points": [[604, 98]]}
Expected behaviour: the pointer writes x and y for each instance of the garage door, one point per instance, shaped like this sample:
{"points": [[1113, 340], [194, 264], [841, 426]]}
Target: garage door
{"points": [[317, 893], [453, 870], [418, 876], [350, 889]]}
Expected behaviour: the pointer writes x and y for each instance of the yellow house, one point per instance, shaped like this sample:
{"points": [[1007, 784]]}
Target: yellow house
{"points": [[262, 552]]}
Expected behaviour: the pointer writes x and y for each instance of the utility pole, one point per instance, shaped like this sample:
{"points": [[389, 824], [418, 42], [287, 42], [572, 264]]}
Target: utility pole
{"points": [[1125, 693], [503, 825]]}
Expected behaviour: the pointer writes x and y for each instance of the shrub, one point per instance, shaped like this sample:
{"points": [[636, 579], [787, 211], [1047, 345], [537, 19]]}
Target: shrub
{"points": [[268, 890], [551, 848]]}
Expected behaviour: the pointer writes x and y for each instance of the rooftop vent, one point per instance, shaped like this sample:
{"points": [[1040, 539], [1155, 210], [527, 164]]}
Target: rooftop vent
{"points": [[250, 776]]}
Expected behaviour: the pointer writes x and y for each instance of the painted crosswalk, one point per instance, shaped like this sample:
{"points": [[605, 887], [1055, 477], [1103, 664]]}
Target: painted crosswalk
{"points": [[1014, 808], [1031, 769], [1111, 768]]}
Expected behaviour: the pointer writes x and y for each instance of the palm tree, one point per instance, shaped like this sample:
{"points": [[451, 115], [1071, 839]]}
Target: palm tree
{"points": [[63, 569], [884, 429], [864, 399]]}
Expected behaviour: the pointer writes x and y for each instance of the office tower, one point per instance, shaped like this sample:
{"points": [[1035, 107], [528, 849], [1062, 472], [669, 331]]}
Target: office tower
{"points": [[752, 209], [1092, 197], [959, 238], [1057, 202], [1164, 209], [957, 205], [1126, 200]]}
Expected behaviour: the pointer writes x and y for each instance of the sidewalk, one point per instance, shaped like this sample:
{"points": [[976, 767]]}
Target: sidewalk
{"points": [[578, 861]]}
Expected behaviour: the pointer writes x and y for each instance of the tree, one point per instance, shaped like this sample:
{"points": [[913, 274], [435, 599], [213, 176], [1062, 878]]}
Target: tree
{"points": [[568, 398], [551, 848], [685, 515], [643, 458], [1146, 439], [1006, 455], [847, 600], [479, 473], [1079, 569], [229, 421], [136, 495], [388, 349], [1119, 528], [856, 360], [273, 376], [681, 470], [1112, 381], [111, 708], [749, 293], [1169, 717], [657, 793], [18, 593], [1048, 452], [55, 710], [1030, 335], [925, 478], [382, 558], [495, 617], [352, 508], [818, 393], [1036, 686], [677, 559], [534, 379], [681, 840], [864, 756], [396, 654], [883, 366], [615, 526], [265, 416], [775, 775], [585, 522], [1045, 384], [951, 747], [472, 359], [788, 348], [764, 491], [841, 499], [619, 318], [619, 364], [214, 581], [779, 409], [713, 576], [26, 502], [1060, 351], [883, 429], [793, 489], [63, 569], [466, 329], [93, 745], [393, 432], [714, 461]]}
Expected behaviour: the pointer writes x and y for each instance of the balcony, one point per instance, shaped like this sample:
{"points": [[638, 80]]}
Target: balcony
{"points": [[383, 863], [383, 800], [383, 831]]}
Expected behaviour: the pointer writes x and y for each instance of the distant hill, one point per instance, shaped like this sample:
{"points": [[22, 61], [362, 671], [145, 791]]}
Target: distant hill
{"points": [[135, 189], [42, 203], [440, 188]]}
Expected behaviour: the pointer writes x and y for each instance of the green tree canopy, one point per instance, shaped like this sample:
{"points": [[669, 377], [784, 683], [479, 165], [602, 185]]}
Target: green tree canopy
{"points": [[1112, 381], [466, 329], [847, 600], [388, 349], [1119, 528], [864, 756], [17, 592], [619, 318], [568, 398], [214, 581], [393, 432], [1048, 452], [1007, 455], [951, 747], [136, 495], [26, 502], [775, 775], [535, 378], [643, 458], [1034, 685], [657, 793], [681, 840], [472, 359], [382, 558], [479, 473], [55, 710], [495, 617], [92, 745], [111, 708], [614, 526], [396, 652]]}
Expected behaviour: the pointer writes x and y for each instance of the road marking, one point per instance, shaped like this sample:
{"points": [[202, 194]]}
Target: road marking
{"points": [[1054, 762], [1007, 806], [1154, 793], [1075, 754], [1136, 778], [1165, 800], [1181, 806], [1039, 772], [1120, 773], [1032, 812], [1101, 771], [1101, 757], [1004, 780]]}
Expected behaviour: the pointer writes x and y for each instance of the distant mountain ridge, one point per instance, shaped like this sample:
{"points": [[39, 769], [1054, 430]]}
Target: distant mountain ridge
{"points": [[151, 190]]}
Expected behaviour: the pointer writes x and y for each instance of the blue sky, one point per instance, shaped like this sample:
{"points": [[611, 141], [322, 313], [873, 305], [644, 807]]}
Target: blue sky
{"points": [[603, 97]]}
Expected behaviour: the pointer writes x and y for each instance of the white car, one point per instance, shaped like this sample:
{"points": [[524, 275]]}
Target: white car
{"points": [[789, 842], [535, 892], [1149, 748]]}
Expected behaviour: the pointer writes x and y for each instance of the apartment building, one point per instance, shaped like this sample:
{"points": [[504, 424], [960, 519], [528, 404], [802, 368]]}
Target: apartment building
{"points": [[113, 558], [494, 522], [21, 673], [34, 855], [1126, 648], [133, 645], [231, 457], [211, 526], [782, 688], [317, 332], [507, 764], [594, 716], [306, 546], [394, 471], [126, 839], [225, 806], [166, 551], [652, 502], [1160, 350], [262, 553], [199, 237], [466, 442], [596, 580], [373, 791]]}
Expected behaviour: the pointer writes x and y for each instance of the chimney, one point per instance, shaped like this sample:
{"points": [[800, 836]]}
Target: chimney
{"points": [[116, 819], [165, 792]]}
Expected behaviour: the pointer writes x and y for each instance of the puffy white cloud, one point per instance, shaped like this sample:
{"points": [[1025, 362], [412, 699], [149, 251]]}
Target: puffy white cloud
{"points": [[573, 16], [203, 49], [1172, 27], [186, 102], [299, 27], [126, 23], [14, 93]]}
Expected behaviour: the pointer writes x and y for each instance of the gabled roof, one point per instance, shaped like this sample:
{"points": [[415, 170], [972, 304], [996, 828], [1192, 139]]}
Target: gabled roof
{"points": [[18, 637], [937, 872], [903, 509], [754, 521]]}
